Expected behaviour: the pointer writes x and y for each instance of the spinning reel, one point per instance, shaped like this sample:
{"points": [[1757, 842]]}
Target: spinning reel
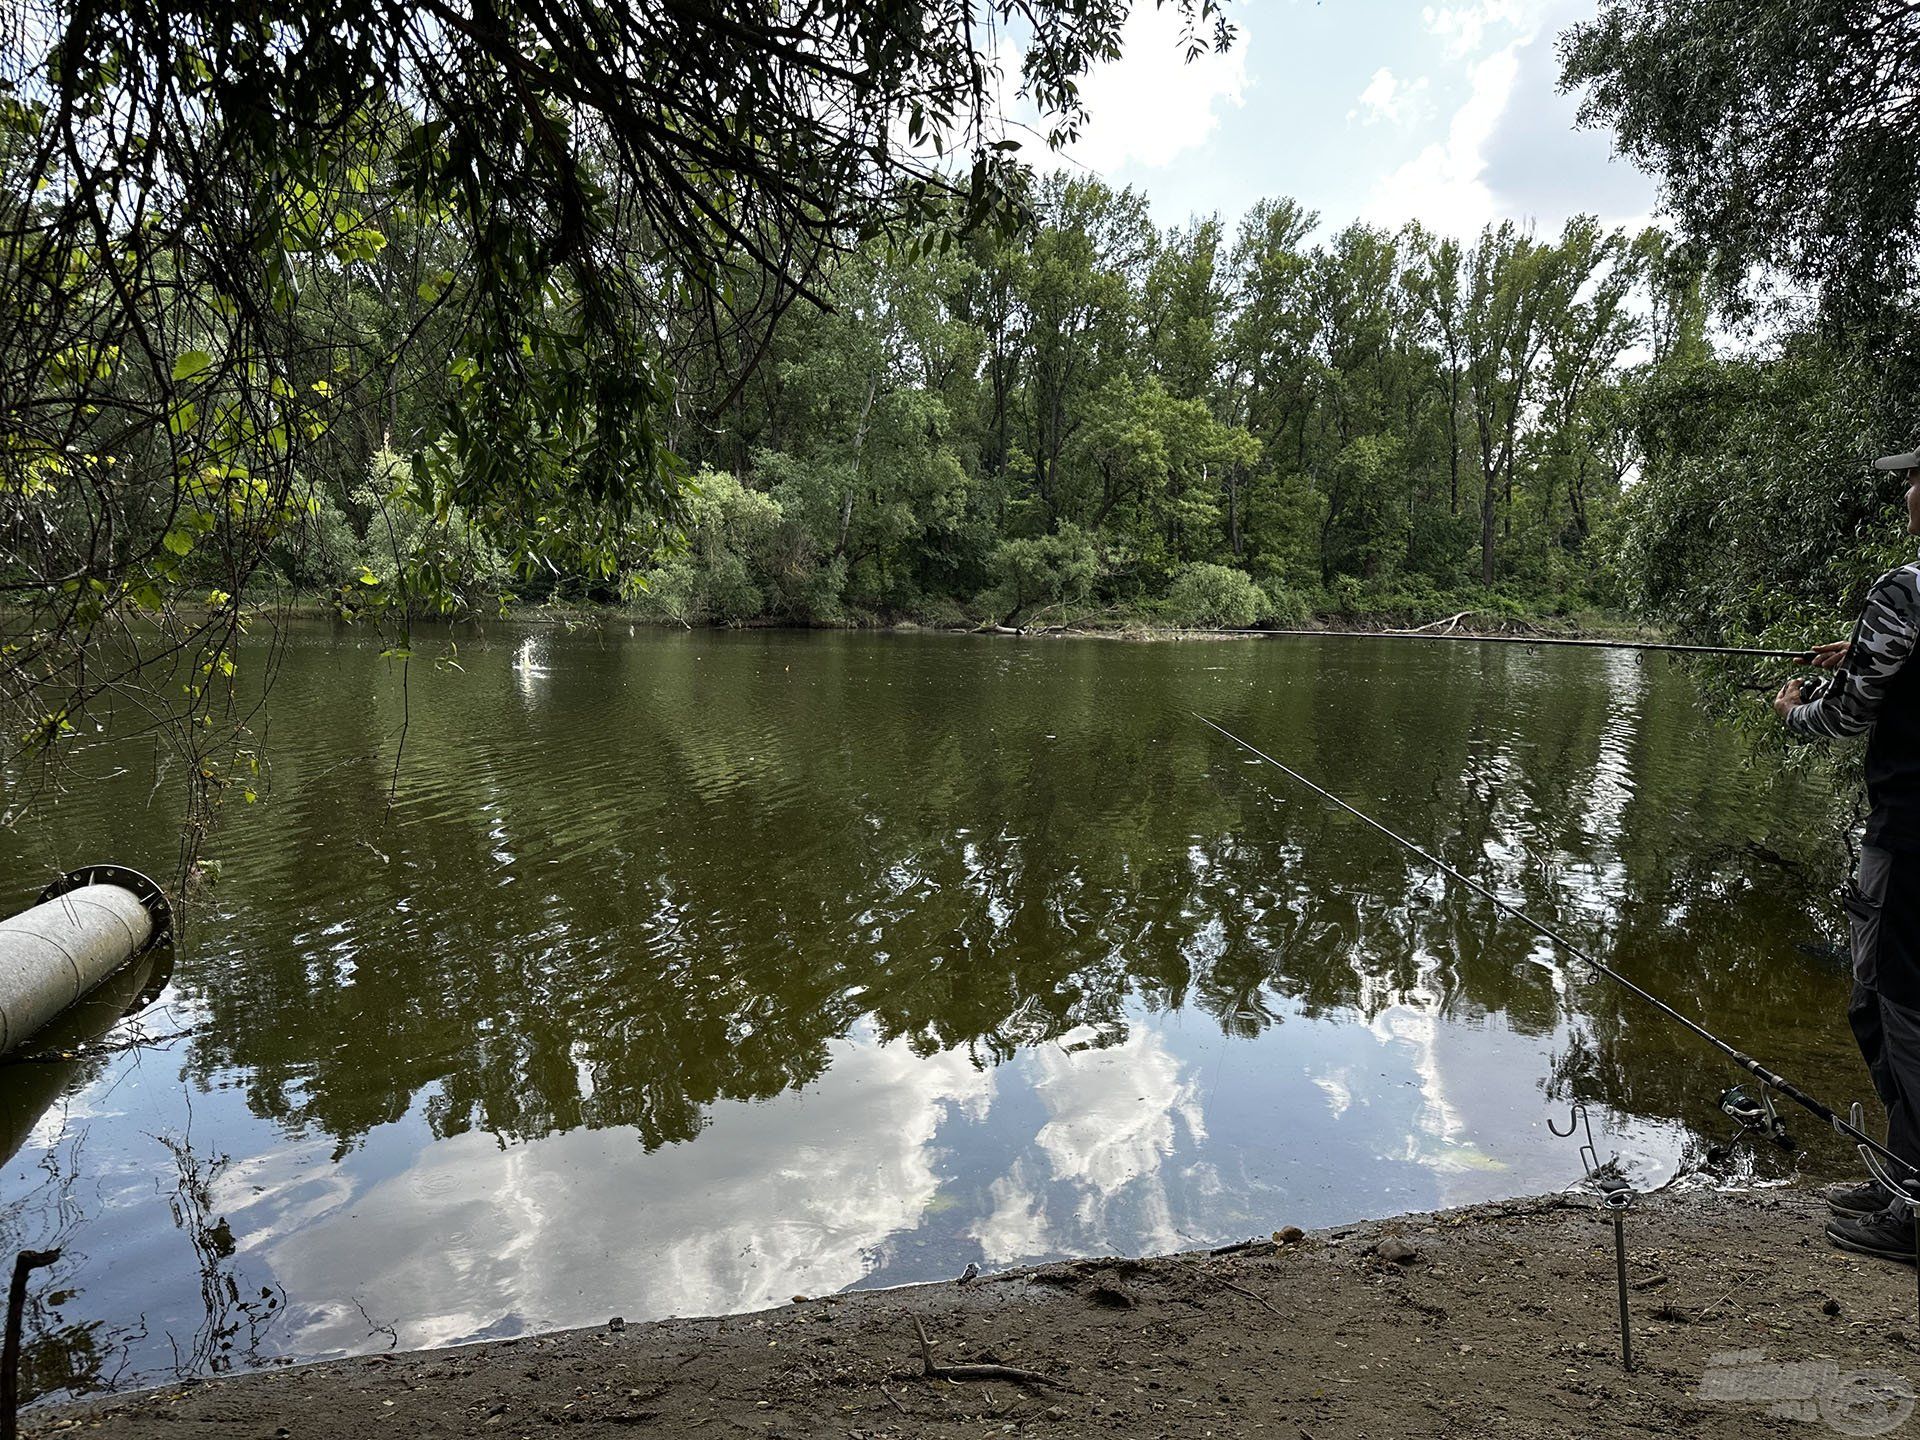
{"points": [[1754, 1117]]}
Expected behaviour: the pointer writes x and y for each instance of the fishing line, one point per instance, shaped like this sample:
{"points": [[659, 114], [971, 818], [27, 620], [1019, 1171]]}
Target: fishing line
{"points": [[1766, 1077], [1803, 656]]}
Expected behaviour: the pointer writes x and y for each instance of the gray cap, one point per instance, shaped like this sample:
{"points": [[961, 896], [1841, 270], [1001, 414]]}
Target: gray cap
{"points": [[1908, 461]]}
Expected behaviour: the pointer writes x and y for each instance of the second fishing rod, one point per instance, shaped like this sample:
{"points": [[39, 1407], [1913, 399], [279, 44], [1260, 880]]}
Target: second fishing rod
{"points": [[1898, 1167], [1582, 642]]}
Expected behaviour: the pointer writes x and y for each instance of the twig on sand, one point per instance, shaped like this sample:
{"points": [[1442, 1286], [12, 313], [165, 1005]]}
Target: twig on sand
{"points": [[1746, 1279], [1243, 1247], [894, 1401], [1713, 1307], [935, 1371], [1242, 1290]]}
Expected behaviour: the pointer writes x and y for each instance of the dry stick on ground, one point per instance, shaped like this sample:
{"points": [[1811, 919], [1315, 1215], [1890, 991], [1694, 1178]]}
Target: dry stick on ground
{"points": [[1242, 1290], [1747, 1277], [935, 1371], [1527, 1209], [1242, 1247]]}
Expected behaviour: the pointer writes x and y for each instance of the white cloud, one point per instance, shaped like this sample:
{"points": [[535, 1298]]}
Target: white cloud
{"points": [[1444, 187], [1337, 1086], [1463, 28], [1111, 1128], [1539, 164], [1100, 1167], [1151, 105], [1017, 1226], [1387, 98], [1512, 150], [1113, 1111]]}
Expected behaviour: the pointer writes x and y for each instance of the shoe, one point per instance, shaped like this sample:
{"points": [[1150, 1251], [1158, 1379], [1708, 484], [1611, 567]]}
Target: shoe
{"points": [[1857, 1199], [1886, 1234]]}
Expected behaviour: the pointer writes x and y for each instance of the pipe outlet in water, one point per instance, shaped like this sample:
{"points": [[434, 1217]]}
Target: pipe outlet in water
{"points": [[88, 924]]}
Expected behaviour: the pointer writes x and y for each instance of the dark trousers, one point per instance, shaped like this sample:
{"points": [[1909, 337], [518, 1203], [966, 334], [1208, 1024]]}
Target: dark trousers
{"points": [[1883, 908]]}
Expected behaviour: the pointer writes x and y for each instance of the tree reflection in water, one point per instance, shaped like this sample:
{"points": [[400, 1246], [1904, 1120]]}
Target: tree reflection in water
{"points": [[673, 873]]}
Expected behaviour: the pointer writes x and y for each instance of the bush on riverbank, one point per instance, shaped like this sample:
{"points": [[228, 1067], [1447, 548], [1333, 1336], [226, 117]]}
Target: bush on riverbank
{"points": [[751, 557], [746, 556], [1214, 595]]}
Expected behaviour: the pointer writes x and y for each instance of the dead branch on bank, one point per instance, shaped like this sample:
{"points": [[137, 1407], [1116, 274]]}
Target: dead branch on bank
{"points": [[1445, 626], [934, 1371]]}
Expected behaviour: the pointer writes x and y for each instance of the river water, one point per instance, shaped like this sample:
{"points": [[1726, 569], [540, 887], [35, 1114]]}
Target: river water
{"points": [[690, 972]]}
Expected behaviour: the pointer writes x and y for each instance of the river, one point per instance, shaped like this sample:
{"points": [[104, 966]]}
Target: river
{"points": [[690, 972]]}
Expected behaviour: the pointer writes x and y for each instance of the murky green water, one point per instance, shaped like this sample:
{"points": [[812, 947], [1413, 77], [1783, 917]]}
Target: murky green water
{"points": [[692, 972]]}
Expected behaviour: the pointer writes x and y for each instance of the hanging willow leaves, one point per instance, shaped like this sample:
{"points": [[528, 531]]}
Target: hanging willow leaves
{"points": [[550, 194]]}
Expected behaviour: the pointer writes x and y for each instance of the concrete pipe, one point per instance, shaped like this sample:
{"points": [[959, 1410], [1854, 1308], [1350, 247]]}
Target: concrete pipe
{"points": [[88, 924]]}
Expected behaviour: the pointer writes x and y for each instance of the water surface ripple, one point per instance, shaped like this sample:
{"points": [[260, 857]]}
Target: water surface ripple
{"points": [[688, 972]]}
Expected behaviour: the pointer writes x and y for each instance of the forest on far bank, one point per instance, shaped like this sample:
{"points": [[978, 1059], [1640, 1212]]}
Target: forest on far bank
{"points": [[1218, 425], [1209, 425]]}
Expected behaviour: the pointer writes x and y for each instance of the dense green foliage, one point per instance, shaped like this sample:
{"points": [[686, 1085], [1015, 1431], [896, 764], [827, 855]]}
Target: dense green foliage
{"points": [[244, 250], [1100, 415], [1786, 135], [432, 317], [1089, 415], [1789, 150], [1789, 147]]}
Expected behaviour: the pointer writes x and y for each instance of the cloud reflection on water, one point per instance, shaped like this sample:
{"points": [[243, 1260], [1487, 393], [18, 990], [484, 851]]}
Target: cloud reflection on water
{"points": [[799, 1196], [590, 1022]]}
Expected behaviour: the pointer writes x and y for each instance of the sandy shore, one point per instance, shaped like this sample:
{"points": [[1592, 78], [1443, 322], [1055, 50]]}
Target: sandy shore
{"points": [[1502, 1321]]}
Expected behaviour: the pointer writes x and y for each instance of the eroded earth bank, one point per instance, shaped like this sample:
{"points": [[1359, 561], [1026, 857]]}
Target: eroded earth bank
{"points": [[1495, 1320]]}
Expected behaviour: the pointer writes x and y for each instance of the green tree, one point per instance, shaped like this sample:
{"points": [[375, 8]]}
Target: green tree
{"points": [[1784, 137], [1270, 388], [1590, 327], [1077, 288], [1502, 340], [1053, 570], [576, 187], [1204, 594], [729, 551], [1184, 311]]}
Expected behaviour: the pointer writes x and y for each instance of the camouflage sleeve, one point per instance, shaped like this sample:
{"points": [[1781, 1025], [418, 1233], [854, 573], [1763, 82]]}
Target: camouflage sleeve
{"points": [[1882, 641]]}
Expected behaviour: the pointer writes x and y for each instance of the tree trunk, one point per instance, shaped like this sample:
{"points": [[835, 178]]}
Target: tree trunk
{"points": [[1577, 501], [1453, 445], [846, 524], [1109, 497], [1487, 508], [859, 458]]}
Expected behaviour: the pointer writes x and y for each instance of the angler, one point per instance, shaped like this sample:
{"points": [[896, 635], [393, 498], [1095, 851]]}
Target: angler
{"points": [[1876, 692]]}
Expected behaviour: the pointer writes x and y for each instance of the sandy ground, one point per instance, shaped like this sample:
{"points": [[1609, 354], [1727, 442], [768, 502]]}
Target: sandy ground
{"points": [[1501, 1322]]}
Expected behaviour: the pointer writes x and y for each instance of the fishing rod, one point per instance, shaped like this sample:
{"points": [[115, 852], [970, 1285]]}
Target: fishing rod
{"points": [[1802, 656], [1767, 1078]]}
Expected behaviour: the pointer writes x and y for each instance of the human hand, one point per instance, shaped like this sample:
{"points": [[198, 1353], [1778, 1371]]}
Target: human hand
{"points": [[1830, 656], [1788, 697]]}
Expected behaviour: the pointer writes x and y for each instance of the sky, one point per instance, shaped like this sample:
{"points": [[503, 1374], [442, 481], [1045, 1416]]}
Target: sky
{"points": [[1381, 110]]}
